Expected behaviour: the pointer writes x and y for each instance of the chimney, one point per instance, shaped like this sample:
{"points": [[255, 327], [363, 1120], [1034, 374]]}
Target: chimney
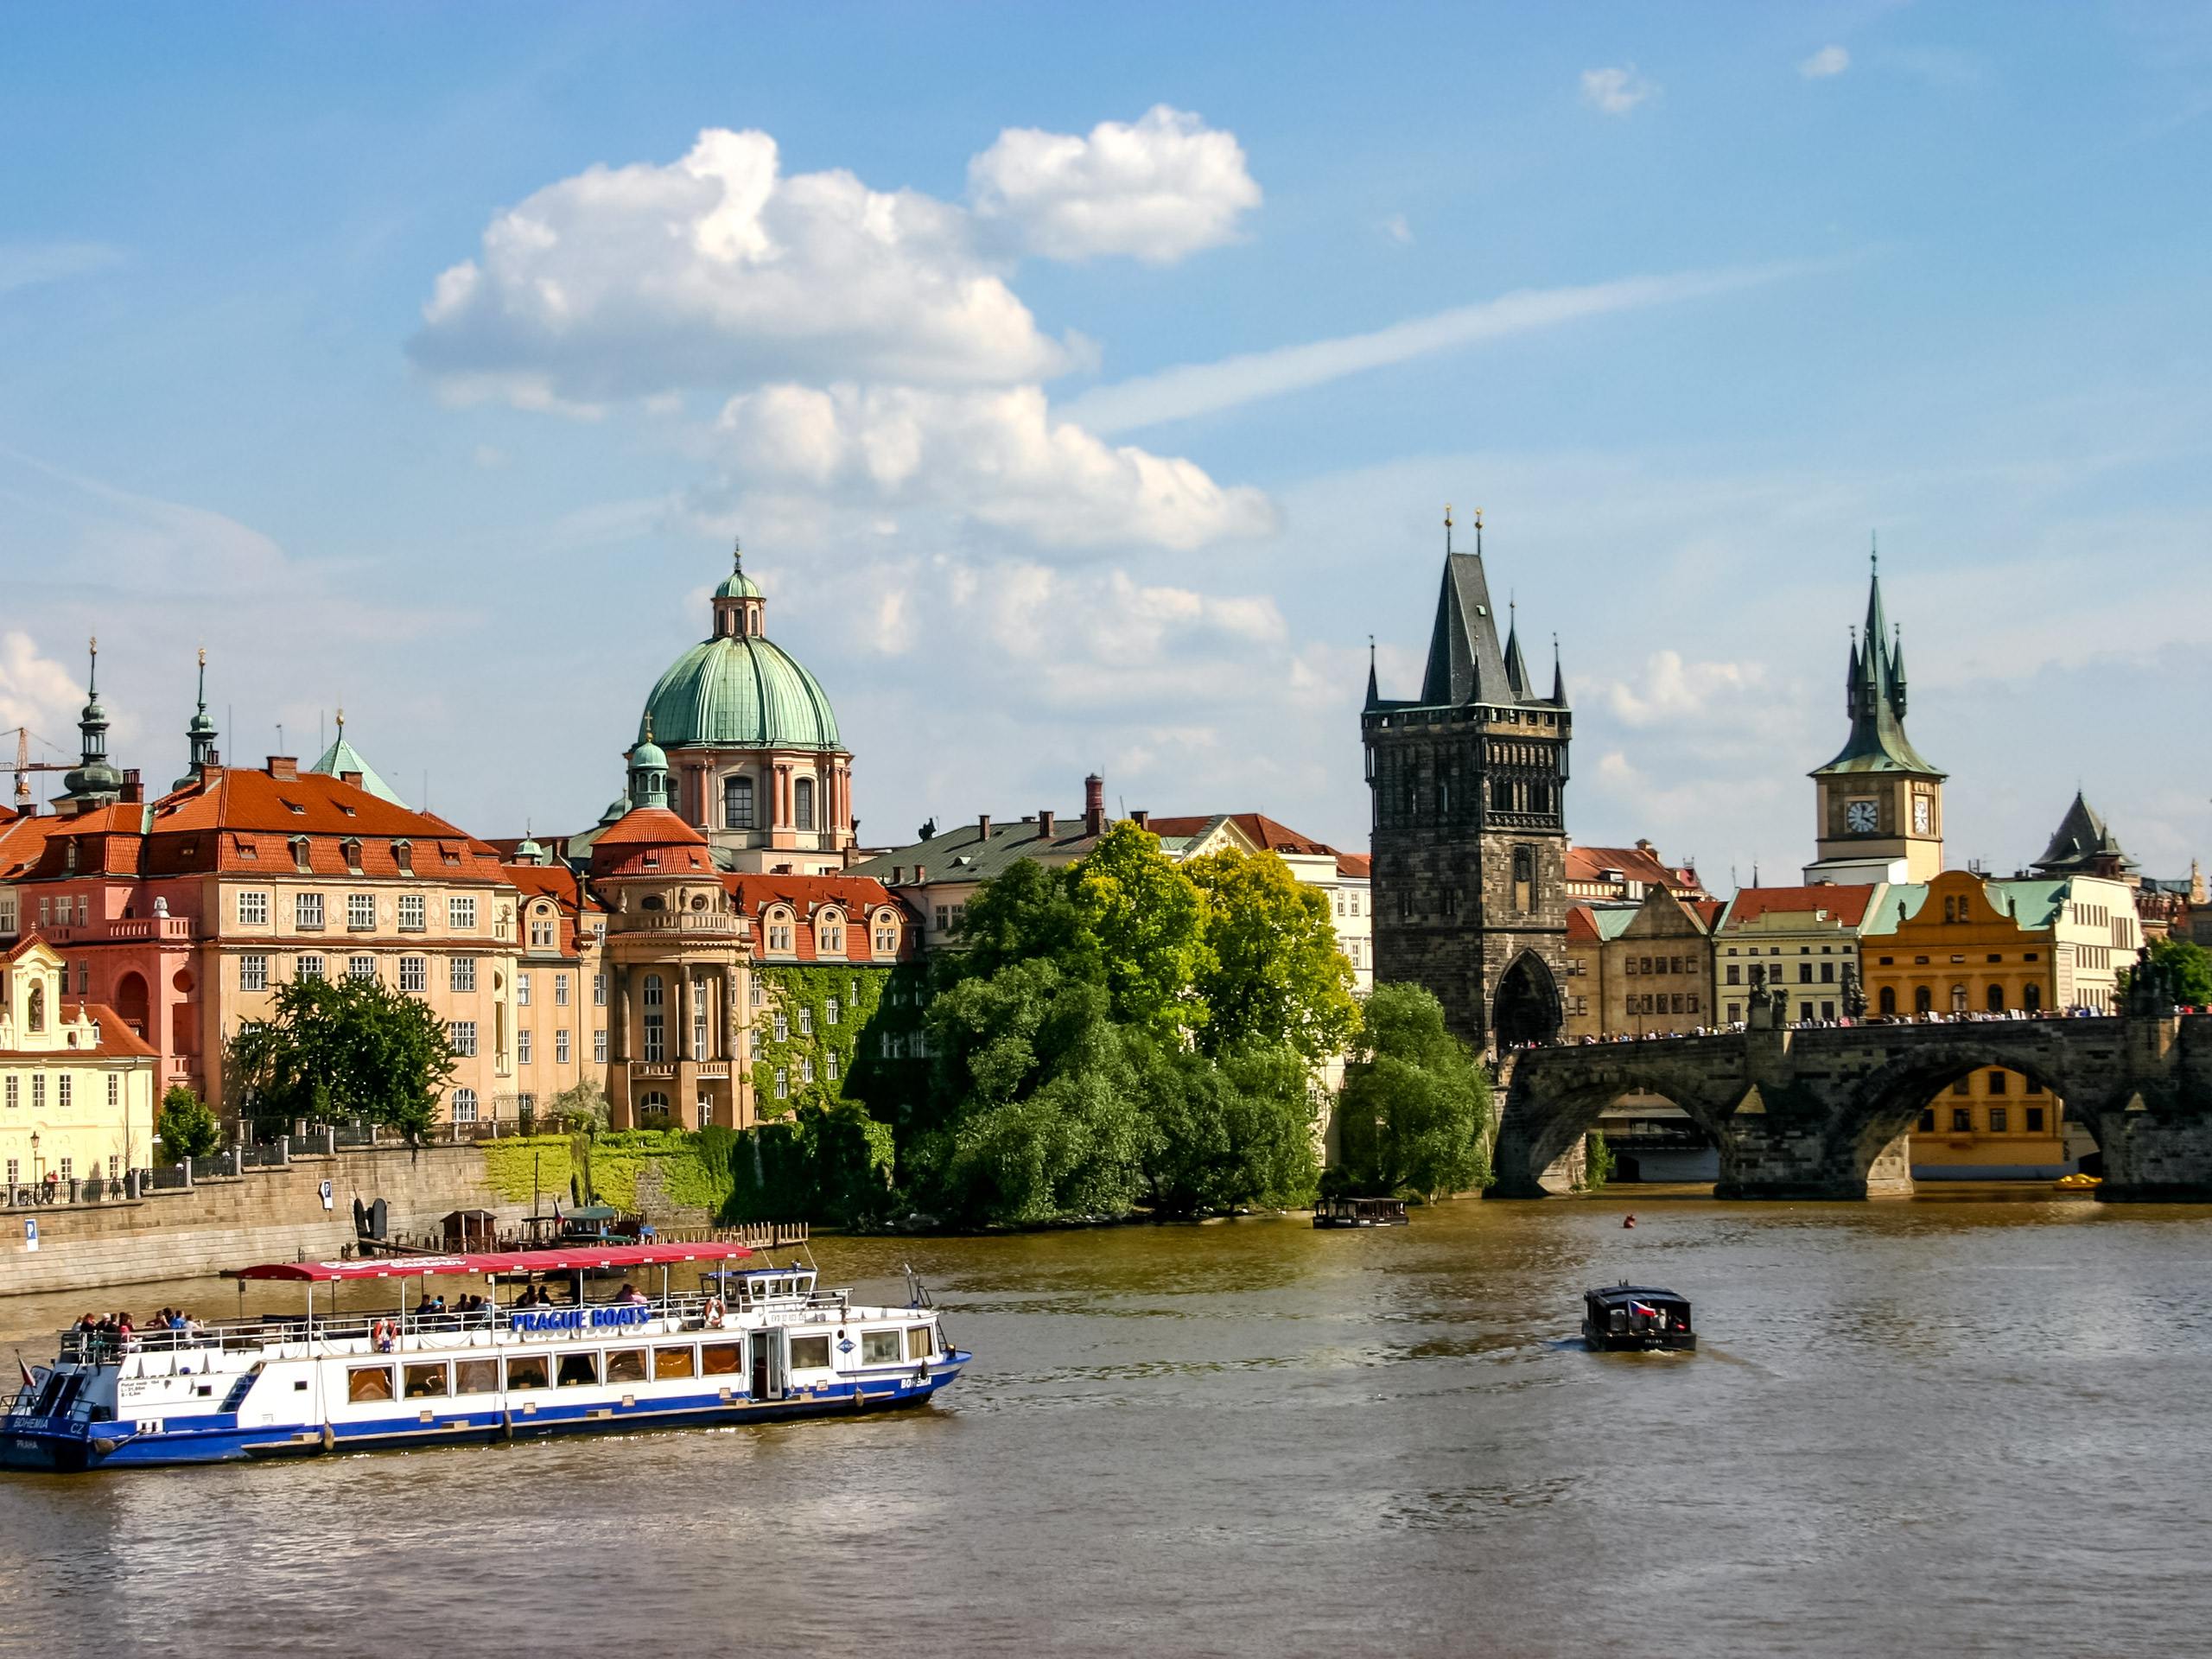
{"points": [[1044, 824], [1142, 820], [133, 792], [983, 827], [1093, 805], [285, 768], [353, 778]]}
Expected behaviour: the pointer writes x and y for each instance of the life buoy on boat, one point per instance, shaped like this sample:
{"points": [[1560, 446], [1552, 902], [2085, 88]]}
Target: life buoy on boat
{"points": [[382, 1336]]}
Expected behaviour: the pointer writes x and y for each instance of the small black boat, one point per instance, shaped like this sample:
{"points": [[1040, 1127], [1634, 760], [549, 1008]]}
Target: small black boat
{"points": [[1360, 1212], [1637, 1317]]}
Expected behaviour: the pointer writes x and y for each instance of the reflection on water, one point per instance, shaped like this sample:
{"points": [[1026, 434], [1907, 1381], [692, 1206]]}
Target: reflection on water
{"points": [[1966, 1427]]}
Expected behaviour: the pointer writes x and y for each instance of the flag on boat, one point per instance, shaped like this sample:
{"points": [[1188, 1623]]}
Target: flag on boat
{"points": [[1638, 1308], [28, 1380]]}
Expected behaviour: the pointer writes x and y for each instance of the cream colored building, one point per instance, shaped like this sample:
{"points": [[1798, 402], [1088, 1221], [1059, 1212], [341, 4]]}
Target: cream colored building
{"points": [[1802, 942], [77, 1088]]}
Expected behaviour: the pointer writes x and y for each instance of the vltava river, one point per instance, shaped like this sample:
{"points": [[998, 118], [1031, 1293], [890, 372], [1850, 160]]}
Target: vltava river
{"points": [[1934, 1426]]}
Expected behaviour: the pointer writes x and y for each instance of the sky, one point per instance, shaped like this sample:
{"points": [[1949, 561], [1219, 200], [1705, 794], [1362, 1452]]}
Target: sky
{"points": [[1087, 386]]}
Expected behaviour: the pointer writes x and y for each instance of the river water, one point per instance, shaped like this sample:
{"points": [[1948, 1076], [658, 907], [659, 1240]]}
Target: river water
{"points": [[1943, 1425]]}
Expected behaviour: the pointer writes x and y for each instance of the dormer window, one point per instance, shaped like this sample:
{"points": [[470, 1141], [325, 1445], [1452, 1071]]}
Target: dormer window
{"points": [[300, 853], [347, 811], [352, 849], [69, 858], [652, 861], [295, 807], [403, 854]]}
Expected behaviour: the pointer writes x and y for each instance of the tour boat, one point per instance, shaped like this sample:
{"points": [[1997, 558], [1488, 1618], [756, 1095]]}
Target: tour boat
{"points": [[301, 1385], [1360, 1212], [1636, 1317]]}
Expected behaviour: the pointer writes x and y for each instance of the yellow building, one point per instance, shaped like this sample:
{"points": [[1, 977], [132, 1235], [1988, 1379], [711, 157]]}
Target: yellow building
{"points": [[1960, 947], [76, 1085]]}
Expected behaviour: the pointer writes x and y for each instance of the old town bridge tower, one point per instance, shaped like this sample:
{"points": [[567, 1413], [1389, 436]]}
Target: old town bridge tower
{"points": [[1468, 784]]}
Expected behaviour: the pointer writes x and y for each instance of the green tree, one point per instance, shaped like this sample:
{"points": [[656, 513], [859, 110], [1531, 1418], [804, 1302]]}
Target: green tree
{"points": [[1276, 974], [1218, 1134], [1598, 1161], [1416, 1106], [344, 1048], [2191, 966], [187, 1126], [581, 1106], [1148, 920]]}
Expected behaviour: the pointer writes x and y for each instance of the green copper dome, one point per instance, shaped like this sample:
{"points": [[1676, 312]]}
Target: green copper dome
{"points": [[738, 585], [732, 693]]}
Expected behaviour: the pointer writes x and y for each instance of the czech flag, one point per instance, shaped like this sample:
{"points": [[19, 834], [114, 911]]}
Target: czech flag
{"points": [[1648, 1312]]}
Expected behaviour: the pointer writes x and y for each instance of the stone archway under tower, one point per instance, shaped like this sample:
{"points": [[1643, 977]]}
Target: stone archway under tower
{"points": [[1527, 1009]]}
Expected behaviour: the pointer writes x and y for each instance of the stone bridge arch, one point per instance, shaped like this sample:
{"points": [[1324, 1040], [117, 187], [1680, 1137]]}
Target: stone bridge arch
{"points": [[1551, 1097]]}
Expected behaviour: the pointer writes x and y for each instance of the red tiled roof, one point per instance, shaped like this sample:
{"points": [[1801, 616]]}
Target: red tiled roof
{"points": [[1588, 863], [117, 1041], [649, 825], [22, 842], [1354, 866], [1261, 830], [1844, 904], [1706, 910], [752, 892], [1581, 925]]}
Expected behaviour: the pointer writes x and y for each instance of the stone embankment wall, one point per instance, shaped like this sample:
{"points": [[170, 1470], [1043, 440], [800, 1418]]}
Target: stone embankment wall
{"points": [[264, 1215]]}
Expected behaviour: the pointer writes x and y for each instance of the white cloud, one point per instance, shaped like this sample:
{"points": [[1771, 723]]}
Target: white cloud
{"points": [[1828, 60], [719, 271], [1200, 388], [1397, 230], [995, 456], [1616, 91], [24, 264], [1158, 189], [35, 690]]}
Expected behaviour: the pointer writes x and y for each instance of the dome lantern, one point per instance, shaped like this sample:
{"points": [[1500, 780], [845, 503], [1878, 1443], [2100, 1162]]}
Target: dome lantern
{"points": [[740, 610]]}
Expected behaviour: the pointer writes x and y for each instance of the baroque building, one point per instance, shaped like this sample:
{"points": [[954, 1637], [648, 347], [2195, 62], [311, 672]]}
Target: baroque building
{"points": [[1467, 784]]}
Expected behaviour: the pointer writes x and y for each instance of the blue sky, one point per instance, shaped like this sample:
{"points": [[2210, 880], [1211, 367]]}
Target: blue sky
{"points": [[425, 359]]}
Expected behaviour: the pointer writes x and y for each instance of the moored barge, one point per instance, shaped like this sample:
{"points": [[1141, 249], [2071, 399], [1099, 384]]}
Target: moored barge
{"points": [[748, 1344]]}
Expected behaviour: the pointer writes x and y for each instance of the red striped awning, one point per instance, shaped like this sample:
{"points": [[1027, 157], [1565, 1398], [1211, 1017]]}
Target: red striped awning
{"points": [[568, 1260]]}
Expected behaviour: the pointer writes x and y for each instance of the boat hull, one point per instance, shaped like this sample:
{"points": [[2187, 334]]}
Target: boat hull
{"points": [[66, 1447], [1631, 1342]]}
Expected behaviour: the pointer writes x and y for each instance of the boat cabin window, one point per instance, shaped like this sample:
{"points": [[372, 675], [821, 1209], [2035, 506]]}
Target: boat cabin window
{"points": [[809, 1353], [720, 1358], [368, 1383], [626, 1365], [526, 1373], [579, 1370], [476, 1377], [672, 1362], [426, 1381], [919, 1345], [878, 1347]]}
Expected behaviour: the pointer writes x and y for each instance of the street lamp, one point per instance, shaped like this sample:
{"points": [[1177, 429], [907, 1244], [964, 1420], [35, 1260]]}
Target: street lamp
{"points": [[35, 1171]]}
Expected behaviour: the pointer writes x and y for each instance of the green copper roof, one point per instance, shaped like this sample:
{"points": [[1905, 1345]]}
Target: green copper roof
{"points": [[738, 585], [740, 694], [1874, 691], [343, 757]]}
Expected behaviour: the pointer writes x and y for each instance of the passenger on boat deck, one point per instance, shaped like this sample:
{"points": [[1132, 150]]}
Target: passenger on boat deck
{"points": [[632, 1295]]}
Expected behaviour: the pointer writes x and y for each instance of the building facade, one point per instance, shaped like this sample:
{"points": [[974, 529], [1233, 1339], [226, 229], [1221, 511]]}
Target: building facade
{"points": [[1467, 784], [1800, 942], [77, 1086]]}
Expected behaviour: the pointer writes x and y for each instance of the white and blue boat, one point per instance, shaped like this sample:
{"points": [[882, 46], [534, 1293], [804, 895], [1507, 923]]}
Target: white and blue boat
{"points": [[746, 1344]]}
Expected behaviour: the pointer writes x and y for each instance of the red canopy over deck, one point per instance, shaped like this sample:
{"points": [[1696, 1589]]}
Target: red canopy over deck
{"points": [[561, 1261]]}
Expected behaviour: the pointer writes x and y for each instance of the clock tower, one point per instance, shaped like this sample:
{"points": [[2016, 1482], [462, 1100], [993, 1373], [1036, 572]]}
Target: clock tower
{"points": [[1879, 804]]}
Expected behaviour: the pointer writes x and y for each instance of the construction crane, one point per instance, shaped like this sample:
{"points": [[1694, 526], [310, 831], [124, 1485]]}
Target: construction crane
{"points": [[25, 765]]}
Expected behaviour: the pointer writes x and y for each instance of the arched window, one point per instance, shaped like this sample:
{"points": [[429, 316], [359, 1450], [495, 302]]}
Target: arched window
{"points": [[464, 1105], [654, 1106], [737, 803], [1997, 999], [2031, 998], [1923, 1000], [1889, 999], [803, 804], [1958, 999], [830, 934]]}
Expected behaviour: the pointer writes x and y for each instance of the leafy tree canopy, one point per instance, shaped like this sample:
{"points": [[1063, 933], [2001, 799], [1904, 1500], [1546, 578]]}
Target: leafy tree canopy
{"points": [[1276, 973], [187, 1126], [1218, 1134], [1416, 1106], [346, 1048], [1149, 922], [2191, 967]]}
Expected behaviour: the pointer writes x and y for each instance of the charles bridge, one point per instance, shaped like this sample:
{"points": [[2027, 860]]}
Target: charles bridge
{"points": [[1825, 1112]]}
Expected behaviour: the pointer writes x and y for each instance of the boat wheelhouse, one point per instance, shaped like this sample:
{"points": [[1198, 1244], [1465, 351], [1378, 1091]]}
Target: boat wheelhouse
{"points": [[749, 1345], [1638, 1318]]}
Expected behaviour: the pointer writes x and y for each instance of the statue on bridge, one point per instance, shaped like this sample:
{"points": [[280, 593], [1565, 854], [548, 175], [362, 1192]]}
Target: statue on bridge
{"points": [[2153, 988], [1854, 993]]}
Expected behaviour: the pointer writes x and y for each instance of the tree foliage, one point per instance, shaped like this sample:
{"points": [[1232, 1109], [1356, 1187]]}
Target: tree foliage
{"points": [[1216, 1132], [581, 1106], [1416, 1106], [188, 1127], [1276, 973], [344, 1048], [1147, 922], [2190, 966]]}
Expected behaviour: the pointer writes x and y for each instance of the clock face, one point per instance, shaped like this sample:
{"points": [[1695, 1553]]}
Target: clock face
{"points": [[1923, 815], [1859, 817]]}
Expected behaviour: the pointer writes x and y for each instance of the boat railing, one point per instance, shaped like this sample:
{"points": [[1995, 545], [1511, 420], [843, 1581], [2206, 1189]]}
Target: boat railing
{"points": [[685, 1311]]}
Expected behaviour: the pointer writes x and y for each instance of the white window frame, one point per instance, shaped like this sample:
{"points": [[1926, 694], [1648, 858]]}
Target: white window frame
{"points": [[253, 909], [253, 972], [460, 1037], [461, 914]]}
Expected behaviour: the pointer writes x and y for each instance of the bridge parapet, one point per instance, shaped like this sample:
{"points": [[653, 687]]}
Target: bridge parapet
{"points": [[1827, 1112]]}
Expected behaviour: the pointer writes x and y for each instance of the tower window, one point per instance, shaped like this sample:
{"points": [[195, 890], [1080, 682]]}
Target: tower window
{"points": [[737, 803], [803, 804]]}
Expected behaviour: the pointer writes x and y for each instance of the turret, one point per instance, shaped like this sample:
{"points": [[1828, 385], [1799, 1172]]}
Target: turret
{"points": [[200, 735], [93, 783], [649, 772]]}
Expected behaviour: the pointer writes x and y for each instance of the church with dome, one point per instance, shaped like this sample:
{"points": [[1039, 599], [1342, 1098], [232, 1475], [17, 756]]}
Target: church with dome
{"points": [[748, 744]]}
